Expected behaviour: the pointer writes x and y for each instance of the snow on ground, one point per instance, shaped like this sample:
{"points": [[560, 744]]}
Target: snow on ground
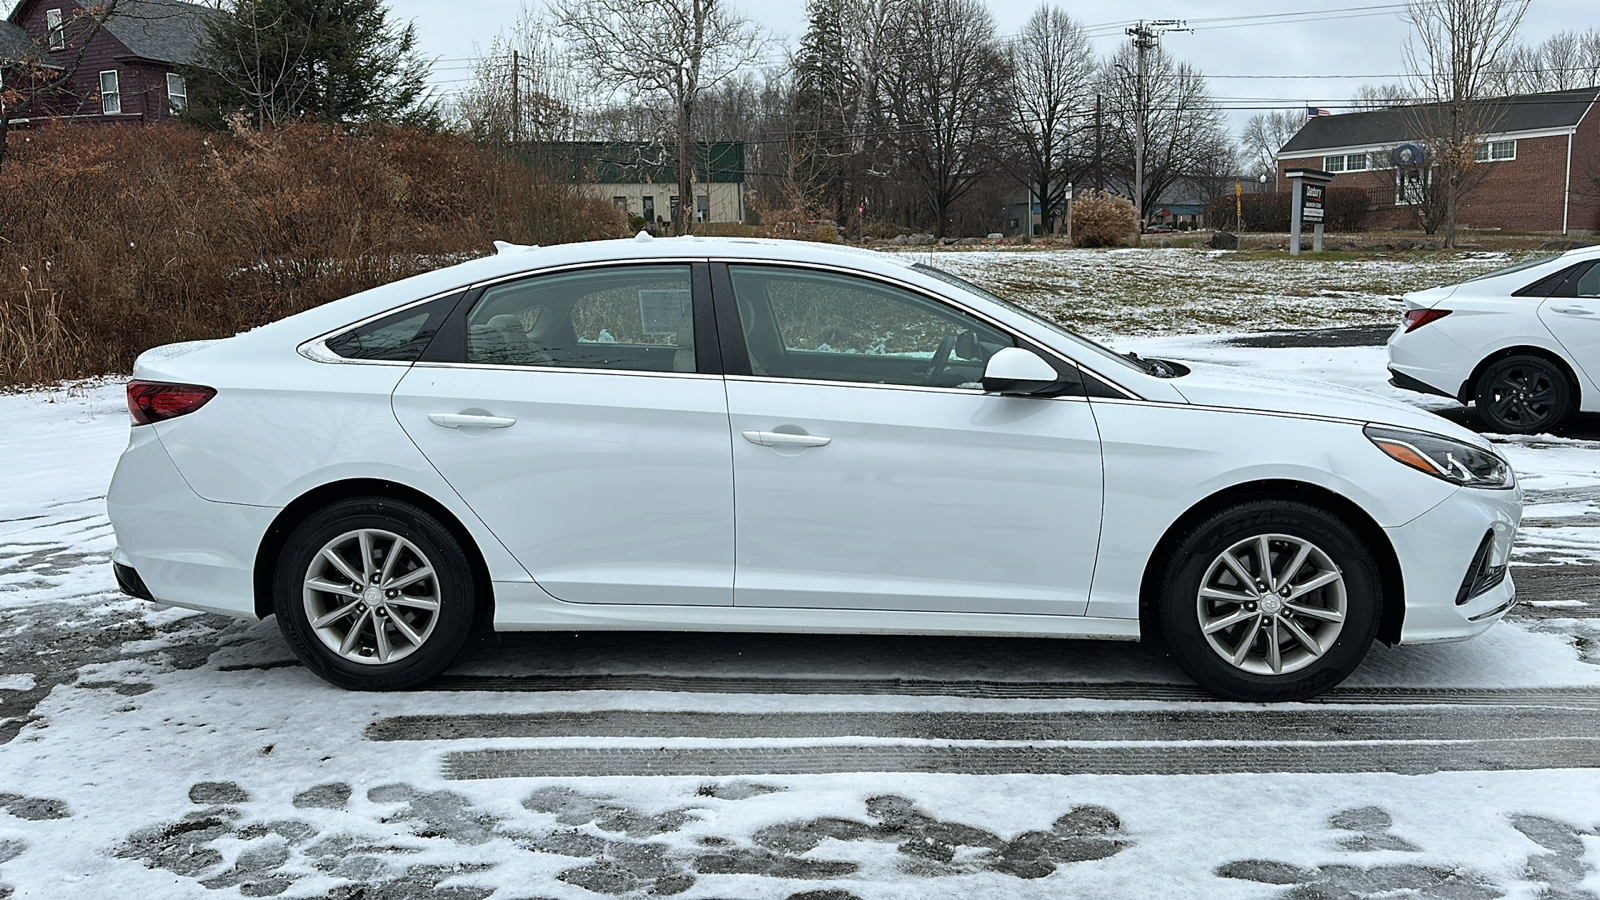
{"points": [[1194, 291], [160, 753]]}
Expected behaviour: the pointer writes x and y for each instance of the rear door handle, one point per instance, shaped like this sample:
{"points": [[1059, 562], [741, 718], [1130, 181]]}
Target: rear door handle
{"points": [[784, 439], [465, 420], [1573, 310]]}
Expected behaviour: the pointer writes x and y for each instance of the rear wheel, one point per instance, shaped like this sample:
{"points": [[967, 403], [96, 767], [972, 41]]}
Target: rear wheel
{"points": [[374, 594], [1270, 600], [1523, 395]]}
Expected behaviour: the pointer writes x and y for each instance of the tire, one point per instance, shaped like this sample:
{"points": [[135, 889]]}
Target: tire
{"points": [[423, 620], [1523, 395], [1321, 634]]}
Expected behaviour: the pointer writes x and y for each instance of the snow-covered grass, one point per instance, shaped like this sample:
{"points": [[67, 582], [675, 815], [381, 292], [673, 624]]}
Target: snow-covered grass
{"points": [[1195, 291], [161, 753]]}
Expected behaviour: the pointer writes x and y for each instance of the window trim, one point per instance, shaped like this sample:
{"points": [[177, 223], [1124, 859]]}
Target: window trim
{"points": [[114, 96], [55, 30], [182, 104], [1488, 151]]}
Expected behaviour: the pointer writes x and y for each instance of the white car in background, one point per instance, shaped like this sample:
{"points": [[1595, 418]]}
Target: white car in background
{"points": [[776, 436], [1522, 344]]}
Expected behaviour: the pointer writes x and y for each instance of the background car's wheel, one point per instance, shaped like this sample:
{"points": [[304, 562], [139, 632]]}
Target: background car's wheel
{"points": [[1523, 395], [1270, 600], [374, 594]]}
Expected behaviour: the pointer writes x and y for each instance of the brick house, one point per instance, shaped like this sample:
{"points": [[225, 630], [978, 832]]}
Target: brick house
{"points": [[130, 69], [1538, 170]]}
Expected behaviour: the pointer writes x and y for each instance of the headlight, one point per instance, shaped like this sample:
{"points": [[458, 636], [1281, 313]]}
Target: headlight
{"points": [[1454, 461]]}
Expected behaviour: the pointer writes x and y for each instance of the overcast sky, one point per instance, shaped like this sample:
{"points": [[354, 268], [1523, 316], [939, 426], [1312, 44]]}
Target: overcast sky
{"points": [[1231, 38]]}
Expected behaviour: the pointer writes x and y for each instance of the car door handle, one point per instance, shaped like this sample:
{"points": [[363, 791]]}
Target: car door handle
{"points": [[1573, 310], [465, 420], [784, 439]]}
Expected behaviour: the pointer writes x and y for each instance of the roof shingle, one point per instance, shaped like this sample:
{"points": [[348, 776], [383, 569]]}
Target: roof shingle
{"points": [[169, 31], [1525, 112]]}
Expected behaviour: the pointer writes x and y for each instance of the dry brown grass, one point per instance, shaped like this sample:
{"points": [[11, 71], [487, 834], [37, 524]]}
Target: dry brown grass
{"points": [[1102, 220], [114, 240]]}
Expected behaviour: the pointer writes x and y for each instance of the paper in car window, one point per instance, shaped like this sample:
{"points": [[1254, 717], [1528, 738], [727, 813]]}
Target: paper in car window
{"points": [[661, 309]]}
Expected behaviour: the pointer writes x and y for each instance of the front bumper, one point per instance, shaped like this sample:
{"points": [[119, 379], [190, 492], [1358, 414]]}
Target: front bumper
{"points": [[1438, 549]]}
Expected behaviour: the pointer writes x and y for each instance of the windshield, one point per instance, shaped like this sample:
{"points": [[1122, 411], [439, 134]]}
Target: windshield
{"points": [[1517, 268], [1079, 340]]}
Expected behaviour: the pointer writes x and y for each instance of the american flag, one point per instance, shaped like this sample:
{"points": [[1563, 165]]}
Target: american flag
{"points": [[1312, 112]]}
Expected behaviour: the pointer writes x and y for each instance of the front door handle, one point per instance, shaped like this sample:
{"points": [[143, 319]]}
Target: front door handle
{"points": [[784, 439], [1573, 310], [466, 420]]}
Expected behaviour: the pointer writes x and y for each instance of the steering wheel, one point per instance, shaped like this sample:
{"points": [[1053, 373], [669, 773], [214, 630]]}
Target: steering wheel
{"points": [[941, 359]]}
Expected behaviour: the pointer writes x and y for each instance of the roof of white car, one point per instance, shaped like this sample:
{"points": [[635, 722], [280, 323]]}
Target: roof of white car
{"points": [[643, 246], [513, 259]]}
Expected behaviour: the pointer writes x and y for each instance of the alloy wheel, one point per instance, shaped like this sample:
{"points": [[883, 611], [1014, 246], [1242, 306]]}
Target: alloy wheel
{"points": [[1272, 604], [371, 596], [1523, 396]]}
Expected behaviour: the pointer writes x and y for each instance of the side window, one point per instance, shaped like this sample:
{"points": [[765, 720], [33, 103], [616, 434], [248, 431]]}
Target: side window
{"points": [[401, 337], [637, 318], [1581, 280], [1588, 284], [827, 327]]}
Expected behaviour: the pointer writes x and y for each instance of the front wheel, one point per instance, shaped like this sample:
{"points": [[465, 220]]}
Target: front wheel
{"points": [[1270, 601], [374, 594], [1523, 395]]}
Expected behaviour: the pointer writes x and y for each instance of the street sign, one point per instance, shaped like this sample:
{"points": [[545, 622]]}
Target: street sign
{"points": [[1315, 194]]}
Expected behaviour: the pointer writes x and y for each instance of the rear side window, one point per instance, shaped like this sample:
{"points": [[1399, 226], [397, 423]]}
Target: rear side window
{"points": [[1581, 280], [632, 318], [398, 338]]}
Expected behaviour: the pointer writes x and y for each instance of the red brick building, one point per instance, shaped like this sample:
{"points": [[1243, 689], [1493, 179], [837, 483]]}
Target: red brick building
{"points": [[128, 70], [1538, 169]]}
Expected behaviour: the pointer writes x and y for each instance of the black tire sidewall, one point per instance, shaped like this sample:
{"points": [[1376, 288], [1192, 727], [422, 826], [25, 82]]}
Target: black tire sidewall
{"points": [[1562, 403], [444, 552], [1193, 555]]}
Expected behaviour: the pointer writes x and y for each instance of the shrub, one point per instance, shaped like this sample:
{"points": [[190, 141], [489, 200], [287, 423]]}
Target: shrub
{"points": [[1345, 209], [114, 240], [1101, 219]]}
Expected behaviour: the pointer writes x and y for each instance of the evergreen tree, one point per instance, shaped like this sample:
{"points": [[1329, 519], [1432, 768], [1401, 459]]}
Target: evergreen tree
{"points": [[326, 60]]}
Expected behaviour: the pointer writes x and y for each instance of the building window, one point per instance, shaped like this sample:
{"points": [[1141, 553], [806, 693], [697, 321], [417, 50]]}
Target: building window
{"points": [[110, 93], [620, 203], [1495, 151], [57, 33], [649, 209], [1345, 162], [702, 208], [177, 93]]}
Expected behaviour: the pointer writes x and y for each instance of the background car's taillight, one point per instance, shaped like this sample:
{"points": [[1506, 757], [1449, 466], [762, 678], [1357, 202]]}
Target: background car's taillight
{"points": [[1417, 318], [153, 401]]}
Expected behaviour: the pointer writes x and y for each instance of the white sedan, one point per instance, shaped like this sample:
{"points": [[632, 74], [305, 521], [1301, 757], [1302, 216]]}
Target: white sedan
{"points": [[734, 435], [1523, 343]]}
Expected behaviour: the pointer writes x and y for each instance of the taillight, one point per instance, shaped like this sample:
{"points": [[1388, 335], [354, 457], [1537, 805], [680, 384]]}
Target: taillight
{"points": [[1417, 318], [153, 401]]}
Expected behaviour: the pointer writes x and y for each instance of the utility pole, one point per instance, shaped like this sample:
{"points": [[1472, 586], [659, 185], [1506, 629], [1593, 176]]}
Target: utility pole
{"points": [[516, 95], [1099, 158], [1146, 35]]}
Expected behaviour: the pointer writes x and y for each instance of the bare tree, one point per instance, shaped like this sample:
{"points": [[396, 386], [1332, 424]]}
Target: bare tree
{"points": [[1456, 44], [522, 89], [1053, 70], [257, 60], [1183, 126], [945, 79], [1264, 135], [1381, 96], [669, 49], [1563, 61]]}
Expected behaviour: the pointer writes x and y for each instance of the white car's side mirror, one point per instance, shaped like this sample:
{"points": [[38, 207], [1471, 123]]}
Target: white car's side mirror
{"points": [[1016, 370]]}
